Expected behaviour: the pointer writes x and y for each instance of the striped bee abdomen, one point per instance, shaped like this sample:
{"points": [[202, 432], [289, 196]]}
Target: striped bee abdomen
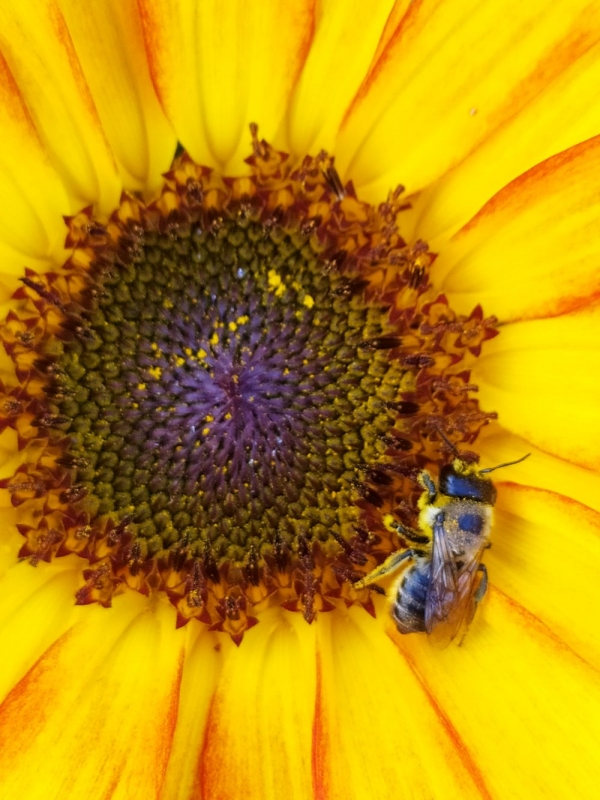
{"points": [[409, 608]]}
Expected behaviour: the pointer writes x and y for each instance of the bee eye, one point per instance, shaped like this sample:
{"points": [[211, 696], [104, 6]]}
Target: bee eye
{"points": [[471, 523]]}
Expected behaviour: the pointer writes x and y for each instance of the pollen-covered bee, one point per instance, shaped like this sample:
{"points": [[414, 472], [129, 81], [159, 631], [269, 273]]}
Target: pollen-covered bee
{"points": [[439, 591]]}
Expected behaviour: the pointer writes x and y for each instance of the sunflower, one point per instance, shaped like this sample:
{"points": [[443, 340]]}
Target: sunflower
{"points": [[264, 266]]}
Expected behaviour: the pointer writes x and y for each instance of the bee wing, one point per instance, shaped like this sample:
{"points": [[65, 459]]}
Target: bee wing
{"points": [[450, 604], [443, 586]]}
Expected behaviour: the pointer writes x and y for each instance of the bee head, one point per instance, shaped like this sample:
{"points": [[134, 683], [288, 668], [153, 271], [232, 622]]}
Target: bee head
{"points": [[465, 482]]}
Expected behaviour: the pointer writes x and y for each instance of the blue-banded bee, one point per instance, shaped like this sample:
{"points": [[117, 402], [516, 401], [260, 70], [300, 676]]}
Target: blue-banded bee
{"points": [[439, 591]]}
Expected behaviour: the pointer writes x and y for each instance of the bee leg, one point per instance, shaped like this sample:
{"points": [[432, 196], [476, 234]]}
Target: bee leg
{"points": [[427, 483], [390, 565], [482, 588], [478, 596], [409, 533]]}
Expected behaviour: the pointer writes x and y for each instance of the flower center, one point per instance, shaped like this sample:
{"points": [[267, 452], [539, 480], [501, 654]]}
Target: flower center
{"points": [[223, 390], [223, 394]]}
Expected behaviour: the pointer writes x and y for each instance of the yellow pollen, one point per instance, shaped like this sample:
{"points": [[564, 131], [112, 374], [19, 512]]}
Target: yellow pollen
{"points": [[141, 386], [243, 319], [214, 339], [201, 353], [232, 326], [274, 279], [156, 372], [388, 521], [308, 301], [275, 282]]}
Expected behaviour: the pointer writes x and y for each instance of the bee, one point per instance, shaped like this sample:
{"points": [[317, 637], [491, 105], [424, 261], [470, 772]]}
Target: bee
{"points": [[444, 580]]}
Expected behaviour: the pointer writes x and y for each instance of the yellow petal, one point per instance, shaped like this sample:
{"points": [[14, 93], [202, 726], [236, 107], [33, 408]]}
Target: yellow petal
{"points": [[261, 716], [534, 249], [203, 660], [219, 66], [32, 196], [540, 376], [95, 716], [38, 48], [378, 731], [394, 19], [546, 557], [344, 44], [108, 39], [453, 72], [542, 470], [37, 605], [524, 705], [560, 116]]}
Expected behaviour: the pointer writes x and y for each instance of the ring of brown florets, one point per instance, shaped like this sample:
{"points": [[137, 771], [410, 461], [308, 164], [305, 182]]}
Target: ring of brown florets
{"points": [[361, 246]]}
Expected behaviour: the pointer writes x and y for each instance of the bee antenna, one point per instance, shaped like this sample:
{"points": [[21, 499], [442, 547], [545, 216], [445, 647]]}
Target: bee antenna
{"points": [[508, 464], [450, 444]]}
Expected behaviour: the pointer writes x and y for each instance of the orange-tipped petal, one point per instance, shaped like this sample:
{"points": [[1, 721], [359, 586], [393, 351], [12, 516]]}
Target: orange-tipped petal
{"points": [[109, 43], [541, 470], [533, 249], [261, 717], [41, 54], [345, 40], [218, 67], [451, 74], [523, 704], [537, 375], [37, 606], [378, 730], [95, 716], [204, 657], [545, 557], [32, 195], [561, 115]]}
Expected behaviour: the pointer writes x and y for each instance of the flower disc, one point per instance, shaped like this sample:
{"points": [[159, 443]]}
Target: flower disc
{"points": [[227, 391]]}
